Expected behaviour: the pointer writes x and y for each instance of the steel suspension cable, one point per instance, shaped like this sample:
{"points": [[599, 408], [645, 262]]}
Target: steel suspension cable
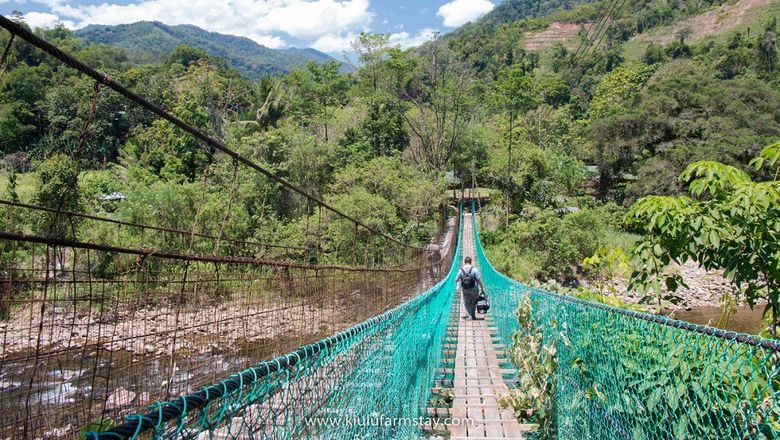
{"points": [[145, 226], [605, 30], [601, 26]]}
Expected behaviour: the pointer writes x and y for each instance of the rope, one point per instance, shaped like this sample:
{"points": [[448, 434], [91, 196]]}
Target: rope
{"points": [[88, 120], [105, 80]]}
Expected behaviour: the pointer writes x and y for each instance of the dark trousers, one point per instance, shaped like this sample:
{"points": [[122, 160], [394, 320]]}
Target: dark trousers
{"points": [[470, 297]]}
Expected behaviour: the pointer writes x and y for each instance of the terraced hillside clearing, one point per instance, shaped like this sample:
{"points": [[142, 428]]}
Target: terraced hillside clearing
{"points": [[557, 32], [718, 21]]}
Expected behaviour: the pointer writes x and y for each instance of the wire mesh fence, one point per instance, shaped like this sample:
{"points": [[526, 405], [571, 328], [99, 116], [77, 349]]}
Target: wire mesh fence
{"points": [[628, 375], [90, 333], [371, 381]]}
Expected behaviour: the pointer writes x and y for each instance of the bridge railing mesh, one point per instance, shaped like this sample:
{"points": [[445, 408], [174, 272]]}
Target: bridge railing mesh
{"points": [[628, 375]]}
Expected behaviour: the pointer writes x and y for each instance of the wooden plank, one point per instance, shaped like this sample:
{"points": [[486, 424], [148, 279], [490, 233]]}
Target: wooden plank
{"points": [[479, 379]]}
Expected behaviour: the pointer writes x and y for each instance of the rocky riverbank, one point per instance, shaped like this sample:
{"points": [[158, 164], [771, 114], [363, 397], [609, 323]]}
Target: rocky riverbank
{"points": [[704, 288]]}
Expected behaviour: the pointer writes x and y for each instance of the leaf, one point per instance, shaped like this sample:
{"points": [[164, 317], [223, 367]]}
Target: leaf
{"points": [[714, 238]]}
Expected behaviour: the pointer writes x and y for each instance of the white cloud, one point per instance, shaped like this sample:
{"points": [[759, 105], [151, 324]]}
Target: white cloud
{"points": [[317, 18], [405, 40], [335, 42], [460, 12], [260, 20], [44, 20], [270, 41]]}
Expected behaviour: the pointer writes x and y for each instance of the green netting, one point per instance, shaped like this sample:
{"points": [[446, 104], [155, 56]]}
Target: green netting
{"points": [[372, 381], [628, 375]]}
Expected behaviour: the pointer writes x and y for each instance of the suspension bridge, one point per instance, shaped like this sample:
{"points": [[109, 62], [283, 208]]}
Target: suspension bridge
{"points": [[168, 333]]}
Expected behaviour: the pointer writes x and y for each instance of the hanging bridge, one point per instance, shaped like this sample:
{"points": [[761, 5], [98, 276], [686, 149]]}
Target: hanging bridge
{"points": [[161, 332]]}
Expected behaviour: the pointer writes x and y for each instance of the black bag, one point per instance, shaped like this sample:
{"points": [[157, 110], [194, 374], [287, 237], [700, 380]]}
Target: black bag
{"points": [[467, 279], [483, 304]]}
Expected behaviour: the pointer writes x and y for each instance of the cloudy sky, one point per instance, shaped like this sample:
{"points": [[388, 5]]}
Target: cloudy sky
{"points": [[326, 25]]}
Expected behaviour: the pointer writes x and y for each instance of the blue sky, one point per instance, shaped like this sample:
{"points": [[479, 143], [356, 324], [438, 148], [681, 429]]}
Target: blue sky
{"points": [[326, 25]]}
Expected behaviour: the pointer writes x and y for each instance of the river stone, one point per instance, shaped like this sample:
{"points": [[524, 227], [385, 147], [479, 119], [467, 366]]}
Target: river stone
{"points": [[120, 398]]}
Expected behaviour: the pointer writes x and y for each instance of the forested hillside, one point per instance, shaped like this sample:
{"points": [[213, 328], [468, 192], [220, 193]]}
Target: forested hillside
{"points": [[568, 140], [151, 42]]}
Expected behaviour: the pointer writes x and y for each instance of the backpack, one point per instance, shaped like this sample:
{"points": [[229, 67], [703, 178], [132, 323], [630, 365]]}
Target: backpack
{"points": [[467, 279]]}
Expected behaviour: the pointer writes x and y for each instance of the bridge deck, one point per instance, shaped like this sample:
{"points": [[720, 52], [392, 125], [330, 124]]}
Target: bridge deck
{"points": [[479, 377]]}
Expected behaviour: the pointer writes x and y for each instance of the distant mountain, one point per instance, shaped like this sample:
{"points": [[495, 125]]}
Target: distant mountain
{"points": [[151, 41]]}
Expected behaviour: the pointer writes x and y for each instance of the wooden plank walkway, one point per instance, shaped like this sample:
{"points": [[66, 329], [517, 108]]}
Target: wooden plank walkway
{"points": [[479, 376]]}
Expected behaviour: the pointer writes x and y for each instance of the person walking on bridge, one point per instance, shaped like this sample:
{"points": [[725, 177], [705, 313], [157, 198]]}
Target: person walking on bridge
{"points": [[469, 281]]}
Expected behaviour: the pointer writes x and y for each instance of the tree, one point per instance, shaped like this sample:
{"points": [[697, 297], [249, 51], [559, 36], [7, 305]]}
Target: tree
{"points": [[654, 54], [57, 189], [21, 91], [611, 114], [552, 89], [317, 90], [441, 93], [371, 50], [766, 48], [271, 93], [186, 56], [731, 223], [513, 94], [472, 156], [384, 126]]}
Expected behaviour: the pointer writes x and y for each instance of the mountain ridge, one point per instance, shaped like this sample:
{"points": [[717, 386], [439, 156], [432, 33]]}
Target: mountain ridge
{"points": [[152, 41]]}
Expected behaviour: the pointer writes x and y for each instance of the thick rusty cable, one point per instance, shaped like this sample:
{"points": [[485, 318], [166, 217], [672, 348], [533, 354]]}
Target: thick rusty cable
{"points": [[143, 226], [107, 81], [194, 257]]}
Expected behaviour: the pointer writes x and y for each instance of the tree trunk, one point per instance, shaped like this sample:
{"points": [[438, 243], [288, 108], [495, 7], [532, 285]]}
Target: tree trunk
{"points": [[509, 171]]}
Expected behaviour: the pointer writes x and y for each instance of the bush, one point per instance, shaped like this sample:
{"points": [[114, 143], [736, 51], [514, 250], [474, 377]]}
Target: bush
{"points": [[546, 244]]}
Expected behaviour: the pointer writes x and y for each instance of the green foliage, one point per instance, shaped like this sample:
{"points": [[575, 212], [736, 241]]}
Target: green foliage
{"points": [[316, 91], [371, 49], [683, 114], [273, 102], [514, 92], [57, 189], [731, 224], [766, 50], [384, 127], [617, 90], [537, 368], [654, 54], [413, 196], [442, 97], [554, 243], [186, 56]]}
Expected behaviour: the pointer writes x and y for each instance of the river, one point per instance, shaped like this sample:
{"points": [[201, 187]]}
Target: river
{"points": [[744, 320]]}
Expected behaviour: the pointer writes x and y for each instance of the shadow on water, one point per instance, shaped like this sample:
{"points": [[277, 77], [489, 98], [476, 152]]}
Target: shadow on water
{"points": [[744, 320]]}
